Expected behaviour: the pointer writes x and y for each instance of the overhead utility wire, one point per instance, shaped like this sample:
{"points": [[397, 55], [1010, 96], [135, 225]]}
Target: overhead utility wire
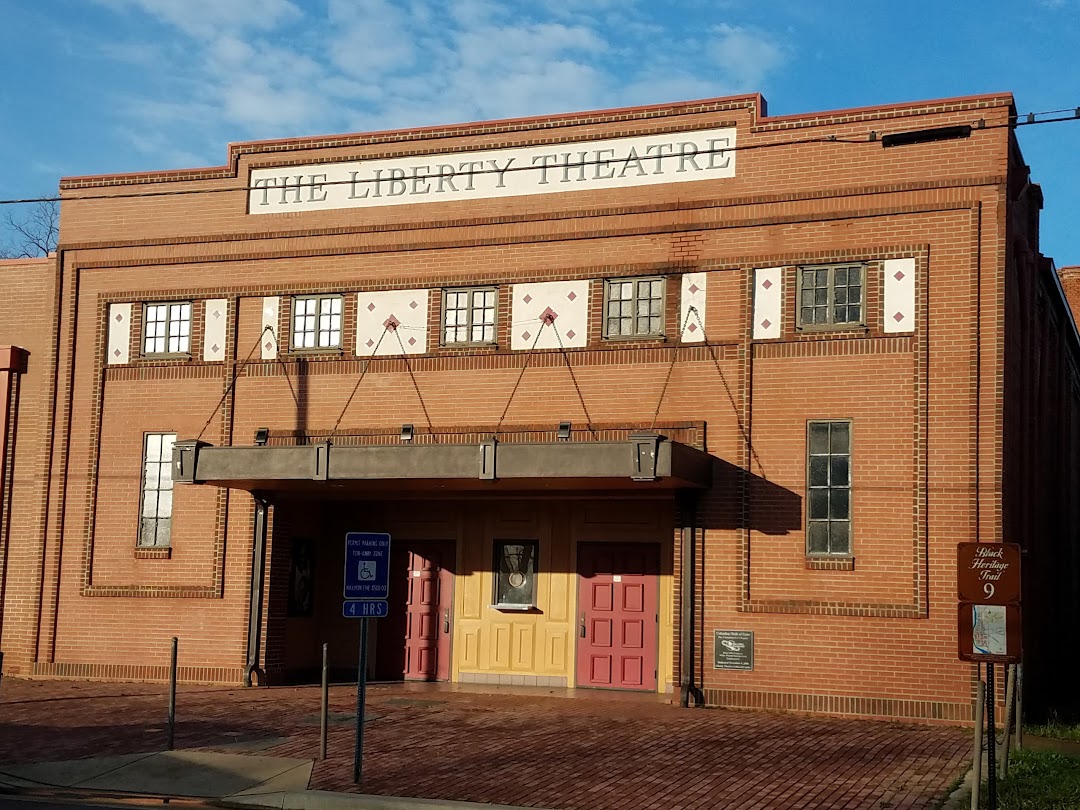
{"points": [[1028, 119]]}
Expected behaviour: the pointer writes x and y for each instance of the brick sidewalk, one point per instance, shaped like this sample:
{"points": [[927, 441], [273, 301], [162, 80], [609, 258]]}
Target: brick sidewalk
{"points": [[519, 749]]}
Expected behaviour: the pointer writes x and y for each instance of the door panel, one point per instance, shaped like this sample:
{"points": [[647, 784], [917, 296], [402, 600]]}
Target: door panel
{"points": [[414, 641], [618, 603]]}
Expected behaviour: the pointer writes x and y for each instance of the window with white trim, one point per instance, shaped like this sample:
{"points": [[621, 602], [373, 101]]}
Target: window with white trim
{"points": [[469, 315], [316, 322], [831, 295], [167, 328], [828, 487], [155, 523], [634, 307]]}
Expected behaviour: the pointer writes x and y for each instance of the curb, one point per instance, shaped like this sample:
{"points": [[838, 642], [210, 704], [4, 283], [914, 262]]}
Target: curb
{"points": [[327, 800], [960, 799]]}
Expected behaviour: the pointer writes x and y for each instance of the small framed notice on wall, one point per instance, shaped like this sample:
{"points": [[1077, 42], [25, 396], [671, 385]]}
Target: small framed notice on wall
{"points": [[733, 649]]}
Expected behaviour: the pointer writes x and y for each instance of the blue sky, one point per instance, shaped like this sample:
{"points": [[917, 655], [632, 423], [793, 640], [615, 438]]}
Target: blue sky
{"points": [[101, 86]]}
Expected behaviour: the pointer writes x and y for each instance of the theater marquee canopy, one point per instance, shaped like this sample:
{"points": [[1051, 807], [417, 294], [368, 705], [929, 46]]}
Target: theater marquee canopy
{"points": [[645, 461]]}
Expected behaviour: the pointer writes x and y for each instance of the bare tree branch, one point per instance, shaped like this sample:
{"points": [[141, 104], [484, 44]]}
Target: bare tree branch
{"points": [[34, 231]]}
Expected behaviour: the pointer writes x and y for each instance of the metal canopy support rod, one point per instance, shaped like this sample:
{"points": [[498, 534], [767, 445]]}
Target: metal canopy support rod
{"points": [[688, 509], [258, 564]]}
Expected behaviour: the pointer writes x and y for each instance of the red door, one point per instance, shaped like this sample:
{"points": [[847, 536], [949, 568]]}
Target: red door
{"points": [[618, 625], [414, 640]]}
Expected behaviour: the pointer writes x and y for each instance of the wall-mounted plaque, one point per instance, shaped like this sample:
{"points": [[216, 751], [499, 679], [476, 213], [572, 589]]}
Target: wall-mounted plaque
{"points": [[733, 649]]}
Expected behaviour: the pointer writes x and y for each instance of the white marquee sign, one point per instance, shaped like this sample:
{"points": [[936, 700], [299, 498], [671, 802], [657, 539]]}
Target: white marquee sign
{"points": [[585, 165]]}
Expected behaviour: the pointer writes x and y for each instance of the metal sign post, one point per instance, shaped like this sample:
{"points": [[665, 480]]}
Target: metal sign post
{"points": [[361, 701], [991, 741], [367, 584], [988, 625]]}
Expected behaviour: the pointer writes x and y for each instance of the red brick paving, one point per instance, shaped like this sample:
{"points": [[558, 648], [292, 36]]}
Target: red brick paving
{"points": [[531, 750]]}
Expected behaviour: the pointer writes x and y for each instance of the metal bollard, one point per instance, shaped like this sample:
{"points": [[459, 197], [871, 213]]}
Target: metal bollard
{"points": [[172, 696], [325, 706]]}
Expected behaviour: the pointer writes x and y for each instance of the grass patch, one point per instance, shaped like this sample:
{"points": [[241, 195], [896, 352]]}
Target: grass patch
{"points": [[1056, 728], [1039, 780]]}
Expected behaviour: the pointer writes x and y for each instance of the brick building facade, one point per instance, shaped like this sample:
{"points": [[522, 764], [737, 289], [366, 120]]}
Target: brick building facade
{"points": [[681, 398]]}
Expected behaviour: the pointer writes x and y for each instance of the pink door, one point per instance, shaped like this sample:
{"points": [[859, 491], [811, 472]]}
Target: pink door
{"points": [[414, 640], [618, 625]]}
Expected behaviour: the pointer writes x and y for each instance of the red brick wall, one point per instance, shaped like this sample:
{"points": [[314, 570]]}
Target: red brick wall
{"points": [[27, 304], [927, 407]]}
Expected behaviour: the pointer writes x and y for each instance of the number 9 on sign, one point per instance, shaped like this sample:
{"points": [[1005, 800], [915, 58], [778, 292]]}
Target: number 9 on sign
{"points": [[988, 589]]}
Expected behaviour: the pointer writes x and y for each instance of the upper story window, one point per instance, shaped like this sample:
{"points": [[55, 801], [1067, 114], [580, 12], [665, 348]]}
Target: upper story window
{"points": [[469, 315], [155, 523], [831, 295], [316, 322], [828, 487], [634, 307], [167, 328]]}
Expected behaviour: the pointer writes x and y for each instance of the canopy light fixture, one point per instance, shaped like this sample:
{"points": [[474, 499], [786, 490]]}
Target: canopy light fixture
{"points": [[262, 435], [926, 135], [407, 433], [564, 431]]}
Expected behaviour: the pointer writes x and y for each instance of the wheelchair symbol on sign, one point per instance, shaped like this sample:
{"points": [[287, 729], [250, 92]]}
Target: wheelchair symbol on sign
{"points": [[365, 570]]}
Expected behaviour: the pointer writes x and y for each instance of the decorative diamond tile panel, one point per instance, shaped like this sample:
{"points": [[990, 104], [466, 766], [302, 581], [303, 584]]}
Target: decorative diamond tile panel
{"points": [[271, 307], [550, 306], [692, 307], [391, 322], [119, 343], [214, 324], [899, 295], [768, 302]]}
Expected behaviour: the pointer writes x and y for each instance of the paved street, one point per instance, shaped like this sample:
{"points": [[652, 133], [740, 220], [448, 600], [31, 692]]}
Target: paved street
{"points": [[527, 748]]}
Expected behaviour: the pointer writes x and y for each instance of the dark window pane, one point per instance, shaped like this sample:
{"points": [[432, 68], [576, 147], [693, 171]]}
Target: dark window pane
{"points": [[808, 297], [819, 504], [822, 278], [840, 504], [821, 295], [840, 295], [515, 573], [819, 471], [818, 540], [808, 278], [840, 539], [808, 315], [841, 276], [839, 472], [841, 438], [819, 437], [855, 295]]}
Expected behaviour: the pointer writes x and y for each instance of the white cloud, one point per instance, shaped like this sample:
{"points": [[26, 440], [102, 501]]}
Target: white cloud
{"points": [[247, 69], [207, 18], [746, 56]]}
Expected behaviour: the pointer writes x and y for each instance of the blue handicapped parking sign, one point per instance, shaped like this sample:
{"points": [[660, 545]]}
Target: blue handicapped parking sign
{"points": [[367, 565]]}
